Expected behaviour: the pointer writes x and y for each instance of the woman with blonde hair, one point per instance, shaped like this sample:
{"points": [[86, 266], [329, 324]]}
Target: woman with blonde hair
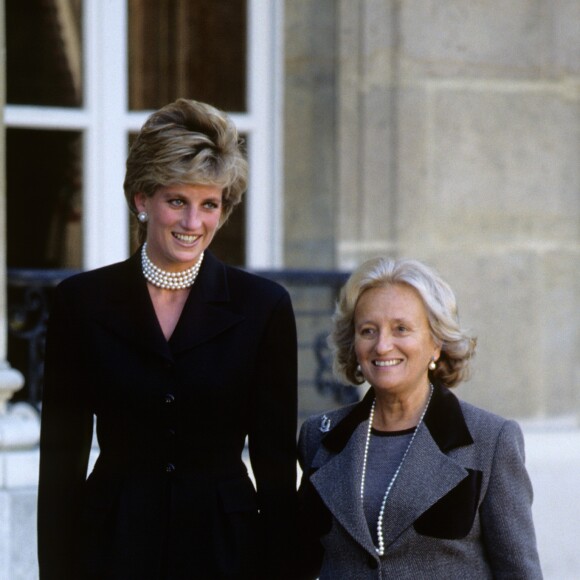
{"points": [[179, 357]]}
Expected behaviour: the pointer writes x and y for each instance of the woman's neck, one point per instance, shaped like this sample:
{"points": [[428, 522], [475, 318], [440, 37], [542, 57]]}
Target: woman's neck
{"points": [[398, 412]]}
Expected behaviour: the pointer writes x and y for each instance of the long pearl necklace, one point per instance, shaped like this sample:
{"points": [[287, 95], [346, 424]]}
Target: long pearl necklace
{"points": [[381, 547], [168, 280]]}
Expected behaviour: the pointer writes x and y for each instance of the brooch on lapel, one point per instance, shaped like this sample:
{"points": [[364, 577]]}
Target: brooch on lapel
{"points": [[324, 424]]}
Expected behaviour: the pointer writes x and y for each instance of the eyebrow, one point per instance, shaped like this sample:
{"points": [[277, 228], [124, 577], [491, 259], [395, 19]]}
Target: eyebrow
{"points": [[405, 321]]}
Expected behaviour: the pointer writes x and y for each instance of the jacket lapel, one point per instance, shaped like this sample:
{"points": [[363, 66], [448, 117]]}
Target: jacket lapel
{"points": [[337, 482], [127, 309], [426, 476], [428, 473], [338, 465], [208, 311]]}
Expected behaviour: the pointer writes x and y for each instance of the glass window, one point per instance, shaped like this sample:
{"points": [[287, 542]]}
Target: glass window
{"points": [[44, 199], [44, 52], [98, 68], [228, 244], [180, 48]]}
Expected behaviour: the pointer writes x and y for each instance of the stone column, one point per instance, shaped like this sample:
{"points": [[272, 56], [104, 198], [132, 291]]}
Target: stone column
{"points": [[458, 139], [10, 379], [367, 125], [489, 182], [19, 424], [309, 133]]}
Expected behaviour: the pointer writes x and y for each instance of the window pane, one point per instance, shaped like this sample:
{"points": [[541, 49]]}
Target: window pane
{"points": [[229, 243], [187, 48], [44, 52], [44, 199]]}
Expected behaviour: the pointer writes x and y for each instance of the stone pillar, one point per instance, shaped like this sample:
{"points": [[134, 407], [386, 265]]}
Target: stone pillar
{"points": [[10, 379], [489, 183], [367, 126], [309, 133], [458, 140], [19, 426]]}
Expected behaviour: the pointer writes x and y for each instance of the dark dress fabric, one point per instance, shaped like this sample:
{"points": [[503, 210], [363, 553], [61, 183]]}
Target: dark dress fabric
{"points": [[169, 497]]}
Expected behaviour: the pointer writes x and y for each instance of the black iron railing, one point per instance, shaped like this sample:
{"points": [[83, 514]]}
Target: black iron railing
{"points": [[313, 293]]}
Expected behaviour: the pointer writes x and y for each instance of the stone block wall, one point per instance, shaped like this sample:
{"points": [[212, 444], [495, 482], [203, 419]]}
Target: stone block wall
{"points": [[490, 120], [456, 132]]}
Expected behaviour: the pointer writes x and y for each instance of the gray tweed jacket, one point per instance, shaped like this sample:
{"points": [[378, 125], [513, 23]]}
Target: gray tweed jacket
{"points": [[460, 507]]}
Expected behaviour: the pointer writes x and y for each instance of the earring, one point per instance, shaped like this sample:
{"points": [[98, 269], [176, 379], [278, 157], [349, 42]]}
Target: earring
{"points": [[358, 373], [143, 217], [432, 365]]}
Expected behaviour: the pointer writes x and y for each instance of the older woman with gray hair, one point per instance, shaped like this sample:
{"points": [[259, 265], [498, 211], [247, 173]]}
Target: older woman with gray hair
{"points": [[411, 482], [180, 358]]}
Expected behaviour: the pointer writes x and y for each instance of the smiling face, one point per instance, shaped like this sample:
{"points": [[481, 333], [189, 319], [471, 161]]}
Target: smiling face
{"points": [[183, 220], [393, 343]]}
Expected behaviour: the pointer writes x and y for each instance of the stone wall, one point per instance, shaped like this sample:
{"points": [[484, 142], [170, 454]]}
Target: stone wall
{"points": [[452, 132]]}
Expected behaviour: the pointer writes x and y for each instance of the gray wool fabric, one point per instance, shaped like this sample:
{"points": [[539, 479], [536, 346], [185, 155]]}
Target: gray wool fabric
{"points": [[386, 450], [460, 507]]}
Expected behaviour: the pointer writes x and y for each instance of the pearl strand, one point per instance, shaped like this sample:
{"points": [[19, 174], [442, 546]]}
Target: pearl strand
{"points": [[168, 280], [381, 547]]}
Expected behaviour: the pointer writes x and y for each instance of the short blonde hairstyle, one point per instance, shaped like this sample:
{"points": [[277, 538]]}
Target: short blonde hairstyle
{"points": [[457, 348], [187, 142]]}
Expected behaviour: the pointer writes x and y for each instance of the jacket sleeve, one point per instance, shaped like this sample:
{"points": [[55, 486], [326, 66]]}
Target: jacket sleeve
{"points": [[272, 436], [65, 442], [313, 518], [506, 511]]}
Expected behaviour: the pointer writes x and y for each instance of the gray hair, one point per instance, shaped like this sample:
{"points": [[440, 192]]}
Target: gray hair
{"points": [[457, 348]]}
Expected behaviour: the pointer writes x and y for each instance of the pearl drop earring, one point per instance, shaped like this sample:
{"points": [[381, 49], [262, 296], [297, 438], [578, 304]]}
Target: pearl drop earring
{"points": [[432, 365], [143, 217]]}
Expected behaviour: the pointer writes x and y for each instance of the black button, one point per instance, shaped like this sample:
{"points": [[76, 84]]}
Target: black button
{"points": [[169, 468], [373, 564], [171, 432], [169, 398]]}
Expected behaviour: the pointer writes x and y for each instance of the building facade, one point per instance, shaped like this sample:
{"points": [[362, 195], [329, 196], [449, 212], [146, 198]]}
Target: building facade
{"points": [[443, 130], [448, 131]]}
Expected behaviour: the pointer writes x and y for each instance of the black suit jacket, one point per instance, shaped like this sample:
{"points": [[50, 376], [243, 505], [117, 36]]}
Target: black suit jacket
{"points": [[169, 496]]}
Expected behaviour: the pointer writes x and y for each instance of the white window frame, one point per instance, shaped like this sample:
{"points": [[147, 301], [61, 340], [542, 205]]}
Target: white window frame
{"points": [[105, 122]]}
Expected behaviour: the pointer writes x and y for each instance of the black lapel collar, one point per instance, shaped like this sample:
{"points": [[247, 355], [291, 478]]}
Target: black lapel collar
{"points": [[338, 437], [208, 311], [127, 308], [444, 419]]}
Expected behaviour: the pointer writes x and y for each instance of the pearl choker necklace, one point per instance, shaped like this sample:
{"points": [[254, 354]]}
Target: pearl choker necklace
{"points": [[168, 280], [381, 547]]}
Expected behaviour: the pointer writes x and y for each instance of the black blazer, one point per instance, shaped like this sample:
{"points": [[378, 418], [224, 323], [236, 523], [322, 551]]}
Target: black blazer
{"points": [[169, 496]]}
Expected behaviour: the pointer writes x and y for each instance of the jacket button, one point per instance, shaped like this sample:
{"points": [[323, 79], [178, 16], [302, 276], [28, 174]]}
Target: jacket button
{"points": [[169, 398], [373, 564], [171, 432], [169, 468]]}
